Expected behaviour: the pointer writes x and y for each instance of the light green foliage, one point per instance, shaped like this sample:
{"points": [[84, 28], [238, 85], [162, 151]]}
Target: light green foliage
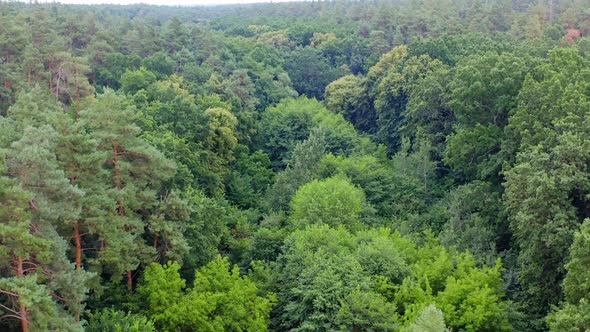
{"points": [[220, 300], [394, 274], [399, 188], [431, 319], [333, 201], [111, 320], [368, 172], [388, 61], [221, 138], [161, 288], [471, 299], [570, 318]]}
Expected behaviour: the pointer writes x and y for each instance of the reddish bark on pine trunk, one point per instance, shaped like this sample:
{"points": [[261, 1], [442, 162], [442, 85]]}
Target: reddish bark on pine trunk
{"points": [[129, 281], [120, 208], [22, 309], [78, 246]]}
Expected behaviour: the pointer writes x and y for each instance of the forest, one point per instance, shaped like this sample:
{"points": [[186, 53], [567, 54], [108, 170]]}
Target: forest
{"points": [[366, 165]]}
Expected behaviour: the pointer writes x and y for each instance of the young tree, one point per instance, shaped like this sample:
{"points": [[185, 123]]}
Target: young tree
{"points": [[334, 201], [220, 299]]}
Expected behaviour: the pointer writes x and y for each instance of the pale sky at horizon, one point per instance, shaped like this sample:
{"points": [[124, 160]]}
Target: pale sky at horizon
{"points": [[163, 2]]}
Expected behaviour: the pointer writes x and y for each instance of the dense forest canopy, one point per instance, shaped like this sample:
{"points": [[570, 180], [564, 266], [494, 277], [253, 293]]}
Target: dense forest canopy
{"points": [[416, 165]]}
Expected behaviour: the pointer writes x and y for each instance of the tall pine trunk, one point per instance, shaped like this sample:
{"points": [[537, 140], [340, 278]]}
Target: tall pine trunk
{"points": [[78, 243], [22, 309], [120, 207]]}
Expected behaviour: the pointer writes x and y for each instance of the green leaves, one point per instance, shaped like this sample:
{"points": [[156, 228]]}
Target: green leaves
{"points": [[335, 280], [111, 320], [334, 201], [573, 314], [220, 299], [547, 187]]}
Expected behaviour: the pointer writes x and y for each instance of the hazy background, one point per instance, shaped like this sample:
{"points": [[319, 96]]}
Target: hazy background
{"points": [[164, 2]]}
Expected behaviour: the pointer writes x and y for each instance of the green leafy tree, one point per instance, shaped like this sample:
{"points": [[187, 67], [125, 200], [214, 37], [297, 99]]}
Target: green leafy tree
{"points": [[35, 250], [348, 96], [483, 92], [220, 299], [476, 220], [250, 178], [431, 319], [135, 80], [333, 201], [291, 121], [312, 293], [573, 314], [471, 299], [310, 72], [160, 64], [111, 320], [302, 168], [546, 187]]}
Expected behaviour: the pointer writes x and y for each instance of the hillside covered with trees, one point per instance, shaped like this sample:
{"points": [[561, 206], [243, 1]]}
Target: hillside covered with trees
{"points": [[383, 165]]}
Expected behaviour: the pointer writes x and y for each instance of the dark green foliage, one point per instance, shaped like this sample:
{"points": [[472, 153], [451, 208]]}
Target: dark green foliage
{"points": [[250, 179], [310, 72], [573, 313], [133, 81], [111, 320], [348, 96], [546, 187], [114, 65], [292, 120]]}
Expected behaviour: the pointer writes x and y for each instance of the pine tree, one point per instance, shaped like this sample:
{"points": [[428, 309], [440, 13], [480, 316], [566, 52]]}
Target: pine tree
{"points": [[43, 269], [126, 190]]}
